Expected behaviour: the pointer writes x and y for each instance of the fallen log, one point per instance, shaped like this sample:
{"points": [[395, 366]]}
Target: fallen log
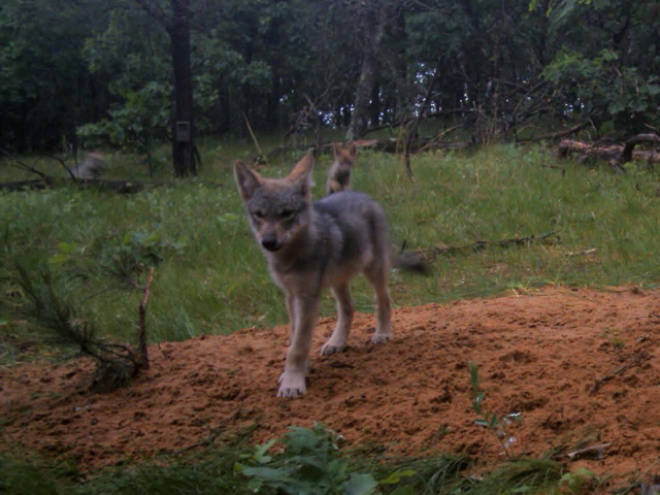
{"points": [[615, 155], [116, 185], [430, 254]]}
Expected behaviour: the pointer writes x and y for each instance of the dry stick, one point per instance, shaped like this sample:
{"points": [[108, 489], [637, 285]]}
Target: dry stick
{"points": [[142, 333], [213, 433], [636, 361], [22, 166], [254, 138], [64, 165], [432, 252], [118, 185], [591, 452]]}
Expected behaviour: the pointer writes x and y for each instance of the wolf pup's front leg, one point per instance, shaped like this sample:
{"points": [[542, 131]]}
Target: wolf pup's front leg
{"points": [[292, 381]]}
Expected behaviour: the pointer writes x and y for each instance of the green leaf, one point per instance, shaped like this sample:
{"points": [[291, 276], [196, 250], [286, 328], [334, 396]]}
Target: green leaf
{"points": [[474, 376], [396, 477], [260, 452], [360, 484]]}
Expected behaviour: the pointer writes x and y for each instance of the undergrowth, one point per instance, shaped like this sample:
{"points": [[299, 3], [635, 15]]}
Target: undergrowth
{"points": [[212, 279], [304, 462]]}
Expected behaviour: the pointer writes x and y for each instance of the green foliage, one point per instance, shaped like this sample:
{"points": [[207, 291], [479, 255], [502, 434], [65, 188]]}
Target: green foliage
{"points": [[603, 90], [579, 482], [142, 122], [496, 424], [212, 278], [311, 465]]}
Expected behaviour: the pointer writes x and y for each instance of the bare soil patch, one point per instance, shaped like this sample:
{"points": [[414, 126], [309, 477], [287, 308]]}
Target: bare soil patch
{"points": [[580, 366]]}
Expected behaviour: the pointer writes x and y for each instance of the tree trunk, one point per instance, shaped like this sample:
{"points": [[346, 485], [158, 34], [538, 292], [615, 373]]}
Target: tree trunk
{"points": [[179, 30], [375, 26], [374, 106]]}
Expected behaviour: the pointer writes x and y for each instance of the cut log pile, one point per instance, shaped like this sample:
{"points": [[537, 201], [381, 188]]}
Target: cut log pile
{"points": [[615, 155]]}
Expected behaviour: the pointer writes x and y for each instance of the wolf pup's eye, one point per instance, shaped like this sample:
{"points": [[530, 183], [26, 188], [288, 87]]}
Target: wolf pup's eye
{"points": [[286, 214], [259, 214]]}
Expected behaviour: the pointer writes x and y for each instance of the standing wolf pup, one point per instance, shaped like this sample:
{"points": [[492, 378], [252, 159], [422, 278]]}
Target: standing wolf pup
{"points": [[310, 247], [339, 175]]}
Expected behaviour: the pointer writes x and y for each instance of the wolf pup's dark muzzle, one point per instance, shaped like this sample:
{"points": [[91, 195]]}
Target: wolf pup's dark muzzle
{"points": [[270, 243]]}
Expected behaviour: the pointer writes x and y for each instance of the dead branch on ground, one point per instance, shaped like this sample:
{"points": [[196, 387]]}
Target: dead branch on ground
{"points": [[637, 360], [117, 185], [430, 254]]}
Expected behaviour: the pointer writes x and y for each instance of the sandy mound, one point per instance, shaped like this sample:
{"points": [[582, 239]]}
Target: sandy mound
{"points": [[580, 366]]}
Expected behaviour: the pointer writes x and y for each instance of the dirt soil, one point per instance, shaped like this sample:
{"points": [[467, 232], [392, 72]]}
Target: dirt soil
{"points": [[581, 367]]}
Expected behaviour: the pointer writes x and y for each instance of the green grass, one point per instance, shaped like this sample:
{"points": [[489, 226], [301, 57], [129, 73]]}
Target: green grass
{"points": [[307, 462], [212, 278]]}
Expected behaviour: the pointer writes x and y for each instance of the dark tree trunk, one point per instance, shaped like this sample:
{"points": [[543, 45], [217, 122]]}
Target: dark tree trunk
{"points": [[183, 153], [273, 106], [374, 27], [374, 106], [360, 114]]}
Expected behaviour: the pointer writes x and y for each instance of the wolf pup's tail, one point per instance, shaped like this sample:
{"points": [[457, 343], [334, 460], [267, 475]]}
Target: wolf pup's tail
{"points": [[410, 262]]}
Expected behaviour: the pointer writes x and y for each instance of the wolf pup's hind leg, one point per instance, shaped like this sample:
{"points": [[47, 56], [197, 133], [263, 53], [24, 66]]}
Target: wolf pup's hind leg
{"points": [[345, 310], [377, 275]]}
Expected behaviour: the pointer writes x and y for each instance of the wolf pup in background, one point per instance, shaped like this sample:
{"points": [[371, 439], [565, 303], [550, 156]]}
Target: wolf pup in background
{"points": [[313, 246], [92, 167], [339, 175]]}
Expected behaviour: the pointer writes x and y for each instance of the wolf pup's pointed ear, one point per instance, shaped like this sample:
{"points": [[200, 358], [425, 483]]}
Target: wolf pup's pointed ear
{"points": [[247, 180], [302, 172]]}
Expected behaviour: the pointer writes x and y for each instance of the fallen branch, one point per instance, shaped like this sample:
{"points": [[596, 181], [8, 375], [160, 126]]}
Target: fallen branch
{"points": [[431, 253], [586, 252], [636, 361], [592, 452], [116, 185]]}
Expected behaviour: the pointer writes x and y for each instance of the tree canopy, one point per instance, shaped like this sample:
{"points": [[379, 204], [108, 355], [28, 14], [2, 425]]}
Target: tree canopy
{"points": [[101, 70]]}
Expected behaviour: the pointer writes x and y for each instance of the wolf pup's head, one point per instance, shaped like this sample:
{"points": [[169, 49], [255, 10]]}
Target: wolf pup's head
{"points": [[278, 209], [345, 155]]}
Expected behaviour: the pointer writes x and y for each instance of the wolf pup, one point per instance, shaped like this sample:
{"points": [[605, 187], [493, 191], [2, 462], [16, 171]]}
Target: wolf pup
{"points": [[92, 167], [313, 246], [339, 175]]}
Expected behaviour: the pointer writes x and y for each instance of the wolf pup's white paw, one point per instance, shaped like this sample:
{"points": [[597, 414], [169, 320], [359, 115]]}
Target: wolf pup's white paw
{"points": [[332, 348], [381, 338], [292, 384]]}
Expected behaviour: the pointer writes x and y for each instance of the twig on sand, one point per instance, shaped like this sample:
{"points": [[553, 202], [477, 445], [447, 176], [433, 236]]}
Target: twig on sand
{"points": [[591, 452], [635, 361]]}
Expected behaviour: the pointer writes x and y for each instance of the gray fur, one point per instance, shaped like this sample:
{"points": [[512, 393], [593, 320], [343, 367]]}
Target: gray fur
{"points": [[315, 247], [92, 167]]}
